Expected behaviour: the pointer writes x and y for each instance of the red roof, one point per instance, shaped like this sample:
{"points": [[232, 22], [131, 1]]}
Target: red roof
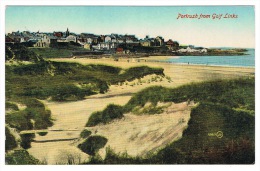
{"points": [[119, 49]]}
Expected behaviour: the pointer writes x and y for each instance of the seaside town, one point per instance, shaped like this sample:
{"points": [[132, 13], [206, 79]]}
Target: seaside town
{"points": [[88, 43]]}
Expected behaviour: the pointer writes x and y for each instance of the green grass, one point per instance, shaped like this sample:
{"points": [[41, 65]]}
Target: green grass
{"points": [[110, 113], [66, 81], [233, 93], [52, 52], [64, 52]]}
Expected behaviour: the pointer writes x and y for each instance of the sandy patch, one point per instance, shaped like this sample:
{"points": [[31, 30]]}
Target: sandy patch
{"points": [[140, 134]]}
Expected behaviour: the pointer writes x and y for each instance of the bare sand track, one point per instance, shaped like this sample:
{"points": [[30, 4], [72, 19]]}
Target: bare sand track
{"points": [[135, 134], [70, 115]]}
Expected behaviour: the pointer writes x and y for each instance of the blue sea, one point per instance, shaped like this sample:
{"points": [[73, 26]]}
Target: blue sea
{"points": [[238, 61]]}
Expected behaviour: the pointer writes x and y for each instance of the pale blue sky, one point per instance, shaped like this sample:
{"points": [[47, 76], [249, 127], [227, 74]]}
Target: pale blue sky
{"points": [[141, 21]]}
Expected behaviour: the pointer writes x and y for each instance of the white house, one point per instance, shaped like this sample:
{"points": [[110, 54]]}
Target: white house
{"points": [[45, 41], [89, 40], [108, 39], [182, 50], [189, 49], [204, 50], [71, 38], [105, 46]]}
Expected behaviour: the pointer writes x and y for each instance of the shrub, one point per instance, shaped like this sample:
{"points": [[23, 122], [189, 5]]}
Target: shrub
{"points": [[152, 94], [65, 92], [42, 133], [107, 115], [20, 157], [138, 72], [10, 142], [10, 105], [95, 118], [85, 133], [93, 144], [22, 120], [21, 53], [26, 140], [18, 120]]}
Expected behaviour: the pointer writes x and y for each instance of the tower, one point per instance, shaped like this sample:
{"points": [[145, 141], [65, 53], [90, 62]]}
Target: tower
{"points": [[67, 32]]}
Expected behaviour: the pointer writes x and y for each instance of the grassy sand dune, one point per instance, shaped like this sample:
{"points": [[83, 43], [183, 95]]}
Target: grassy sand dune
{"points": [[139, 134]]}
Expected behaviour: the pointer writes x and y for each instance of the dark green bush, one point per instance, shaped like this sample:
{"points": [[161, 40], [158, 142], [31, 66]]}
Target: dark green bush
{"points": [[42, 133], [85, 133], [110, 113], [21, 53], [10, 105], [152, 94], [21, 120], [67, 92], [93, 144], [10, 142], [26, 140], [20, 157], [104, 68]]}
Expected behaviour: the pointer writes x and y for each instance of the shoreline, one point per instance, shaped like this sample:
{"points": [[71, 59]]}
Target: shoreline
{"points": [[162, 59], [150, 59], [192, 64]]}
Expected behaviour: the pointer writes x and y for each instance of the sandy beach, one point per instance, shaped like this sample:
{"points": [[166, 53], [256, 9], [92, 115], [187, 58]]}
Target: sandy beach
{"points": [[179, 73], [74, 115]]}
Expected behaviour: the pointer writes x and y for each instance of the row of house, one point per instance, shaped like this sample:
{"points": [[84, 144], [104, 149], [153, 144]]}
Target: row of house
{"points": [[91, 41]]}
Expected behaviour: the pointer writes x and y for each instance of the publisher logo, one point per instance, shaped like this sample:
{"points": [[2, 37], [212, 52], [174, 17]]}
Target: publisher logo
{"points": [[218, 134]]}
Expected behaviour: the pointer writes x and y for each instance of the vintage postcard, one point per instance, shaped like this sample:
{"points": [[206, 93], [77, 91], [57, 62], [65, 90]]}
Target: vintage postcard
{"points": [[87, 85]]}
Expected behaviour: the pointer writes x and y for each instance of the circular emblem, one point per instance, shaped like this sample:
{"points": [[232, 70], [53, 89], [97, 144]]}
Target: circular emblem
{"points": [[219, 134]]}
